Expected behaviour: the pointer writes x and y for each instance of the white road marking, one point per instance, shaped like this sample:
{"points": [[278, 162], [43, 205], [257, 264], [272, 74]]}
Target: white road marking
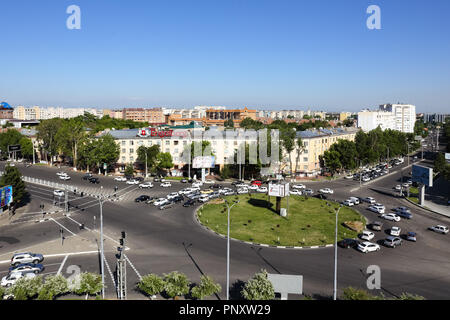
{"points": [[62, 265], [62, 226]]}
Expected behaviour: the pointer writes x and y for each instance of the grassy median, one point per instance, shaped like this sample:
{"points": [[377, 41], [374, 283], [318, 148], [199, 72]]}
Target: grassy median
{"points": [[309, 222]]}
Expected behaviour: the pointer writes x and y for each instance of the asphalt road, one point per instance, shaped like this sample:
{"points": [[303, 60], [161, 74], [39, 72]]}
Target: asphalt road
{"points": [[164, 241]]}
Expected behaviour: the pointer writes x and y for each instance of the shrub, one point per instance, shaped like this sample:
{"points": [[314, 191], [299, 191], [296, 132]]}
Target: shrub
{"points": [[258, 288], [26, 288], [151, 284], [90, 284], [176, 284], [351, 293], [53, 287], [410, 296], [206, 288]]}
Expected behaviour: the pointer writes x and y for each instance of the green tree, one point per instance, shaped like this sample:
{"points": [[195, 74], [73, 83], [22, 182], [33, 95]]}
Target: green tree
{"points": [[106, 150], [150, 154], [439, 163], [300, 147], [164, 160], [331, 161], [287, 137], [206, 288], [9, 138], [129, 170], [258, 288], [90, 284], [176, 284], [26, 147], [46, 132], [151, 284], [69, 137], [13, 177], [53, 286], [229, 123]]}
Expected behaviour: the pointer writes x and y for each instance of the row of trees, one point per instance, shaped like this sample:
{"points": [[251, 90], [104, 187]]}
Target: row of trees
{"points": [[14, 137], [371, 147], [88, 284]]}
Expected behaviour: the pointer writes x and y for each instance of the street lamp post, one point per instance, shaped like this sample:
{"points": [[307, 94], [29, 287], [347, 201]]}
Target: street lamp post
{"points": [[335, 254], [228, 247]]}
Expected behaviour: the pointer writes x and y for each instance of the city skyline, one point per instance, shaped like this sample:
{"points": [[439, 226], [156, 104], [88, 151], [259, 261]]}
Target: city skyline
{"points": [[263, 55]]}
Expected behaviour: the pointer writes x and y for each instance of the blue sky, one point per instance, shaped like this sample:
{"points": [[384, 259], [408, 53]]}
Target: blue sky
{"points": [[257, 53]]}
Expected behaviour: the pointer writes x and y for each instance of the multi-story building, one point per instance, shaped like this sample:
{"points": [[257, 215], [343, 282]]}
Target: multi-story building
{"points": [[154, 115], [40, 113], [212, 117], [315, 143], [435, 117], [6, 111], [390, 116], [344, 116]]}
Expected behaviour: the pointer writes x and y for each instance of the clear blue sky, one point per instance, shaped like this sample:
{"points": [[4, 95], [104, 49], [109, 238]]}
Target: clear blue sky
{"points": [[272, 54]]}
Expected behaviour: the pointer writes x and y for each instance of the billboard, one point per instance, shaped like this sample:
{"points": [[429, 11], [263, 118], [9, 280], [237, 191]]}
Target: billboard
{"points": [[6, 196], [422, 175], [279, 189], [15, 147], [447, 157], [204, 162]]}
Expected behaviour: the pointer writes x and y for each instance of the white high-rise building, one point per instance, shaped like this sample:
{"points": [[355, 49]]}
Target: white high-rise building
{"points": [[401, 117]]}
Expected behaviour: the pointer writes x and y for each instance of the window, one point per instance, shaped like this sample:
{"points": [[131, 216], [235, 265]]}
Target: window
{"points": [[184, 143], [167, 142], [131, 143], [124, 142], [123, 159], [305, 159], [131, 150], [124, 150], [176, 150], [132, 159], [175, 143]]}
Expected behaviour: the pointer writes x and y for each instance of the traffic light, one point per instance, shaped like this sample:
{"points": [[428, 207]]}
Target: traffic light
{"points": [[123, 234], [121, 242]]}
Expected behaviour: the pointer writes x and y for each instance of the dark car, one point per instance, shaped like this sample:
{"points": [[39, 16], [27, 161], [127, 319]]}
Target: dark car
{"points": [[189, 203], [376, 226], [140, 179], [94, 180], [321, 196], [142, 198], [87, 176], [215, 186], [404, 214], [178, 199], [392, 241], [348, 243], [28, 268], [411, 236], [195, 196], [165, 206]]}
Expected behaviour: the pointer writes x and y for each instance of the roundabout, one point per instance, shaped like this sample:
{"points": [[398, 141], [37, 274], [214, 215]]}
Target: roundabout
{"points": [[310, 221]]}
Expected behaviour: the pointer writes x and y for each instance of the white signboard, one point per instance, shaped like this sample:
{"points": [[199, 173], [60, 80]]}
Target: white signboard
{"points": [[447, 156], [203, 162], [278, 189], [285, 284]]}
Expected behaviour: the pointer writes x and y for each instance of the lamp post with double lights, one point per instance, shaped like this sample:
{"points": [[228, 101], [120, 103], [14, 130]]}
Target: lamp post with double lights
{"points": [[228, 245]]}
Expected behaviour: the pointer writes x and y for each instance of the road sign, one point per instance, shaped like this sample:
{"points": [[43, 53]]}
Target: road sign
{"points": [[278, 189], [204, 162], [423, 175], [15, 147]]}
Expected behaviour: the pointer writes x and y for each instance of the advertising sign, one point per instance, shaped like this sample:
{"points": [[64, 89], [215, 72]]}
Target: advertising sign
{"points": [[447, 157], [278, 189], [204, 162], [152, 132], [15, 147], [6, 196], [423, 175]]}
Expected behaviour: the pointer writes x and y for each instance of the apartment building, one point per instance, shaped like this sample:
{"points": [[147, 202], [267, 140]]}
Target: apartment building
{"points": [[213, 117], [154, 115], [6, 111], [316, 142], [399, 117], [42, 113]]}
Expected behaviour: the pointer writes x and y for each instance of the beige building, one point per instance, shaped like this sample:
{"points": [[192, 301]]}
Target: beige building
{"points": [[344, 116], [316, 142], [154, 116]]}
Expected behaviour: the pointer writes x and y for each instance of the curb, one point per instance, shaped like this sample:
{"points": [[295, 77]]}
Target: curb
{"points": [[427, 209], [254, 243]]}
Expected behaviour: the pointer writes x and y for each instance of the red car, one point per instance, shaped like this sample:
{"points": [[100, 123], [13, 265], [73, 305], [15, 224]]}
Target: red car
{"points": [[257, 182]]}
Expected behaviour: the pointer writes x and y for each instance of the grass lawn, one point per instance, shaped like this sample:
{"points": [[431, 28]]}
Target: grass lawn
{"points": [[174, 178], [309, 221]]}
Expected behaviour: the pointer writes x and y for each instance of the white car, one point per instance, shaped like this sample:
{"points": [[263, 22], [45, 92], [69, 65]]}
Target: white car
{"points": [[209, 181], [298, 186], [253, 187], [395, 231], [367, 246], [242, 185], [349, 176], [132, 181], [376, 209], [391, 217], [355, 200], [326, 190], [365, 179], [61, 173], [440, 229], [166, 184], [160, 201], [64, 177], [121, 179], [348, 203], [295, 192], [204, 198], [262, 189], [369, 200], [172, 195], [11, 278], [367, 235], [146, 185], [58, 193], [398, 187], [242, 191], [197, 184]]}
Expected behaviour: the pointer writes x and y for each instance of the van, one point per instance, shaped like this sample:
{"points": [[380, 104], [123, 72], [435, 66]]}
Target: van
{"points": [[354, 200]]}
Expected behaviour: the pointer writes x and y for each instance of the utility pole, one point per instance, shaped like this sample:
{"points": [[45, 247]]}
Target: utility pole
{"points": [[121, 270], [146, 164], [66, 199], [335, 255], [101, 200], [34, 161], [228, 247]]}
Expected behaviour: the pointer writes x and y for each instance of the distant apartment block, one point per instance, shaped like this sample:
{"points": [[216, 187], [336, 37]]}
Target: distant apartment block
{"points": [[401, 117], [212, 116], [435, 117], [44, 113], [154, 115]]}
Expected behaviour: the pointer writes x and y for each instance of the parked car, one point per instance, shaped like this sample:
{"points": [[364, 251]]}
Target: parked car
{"points": [[12, 278], [253, 187], [197, 184], [87, 176], [214, 195], [64, 177], [215, 186], [242, 191], [308, 191], [156, 179], [206, 191], [402, 209], [369, 200], [348, 243], [404, 214], [367, 246], [349, 176], [355, 200], [229, 193], [166, 184], [204, 198], [132, 181], [295, 192], [189, 203], [27, 267], [348, 203], [439, 228], [376, 209], [367, 235], [395, 231], [392, 241], [160, 201], [142, 198], [165, 206], [262, 189], [321, 196], [183, 180], [121, 179], [391, 217], [299, 186], [376, 226], [146, 185], [411, 236], [151, 200], [26, 257]]}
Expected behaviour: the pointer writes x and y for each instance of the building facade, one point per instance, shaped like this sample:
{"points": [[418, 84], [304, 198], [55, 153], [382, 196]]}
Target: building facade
{"points": [[398, 117]]}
